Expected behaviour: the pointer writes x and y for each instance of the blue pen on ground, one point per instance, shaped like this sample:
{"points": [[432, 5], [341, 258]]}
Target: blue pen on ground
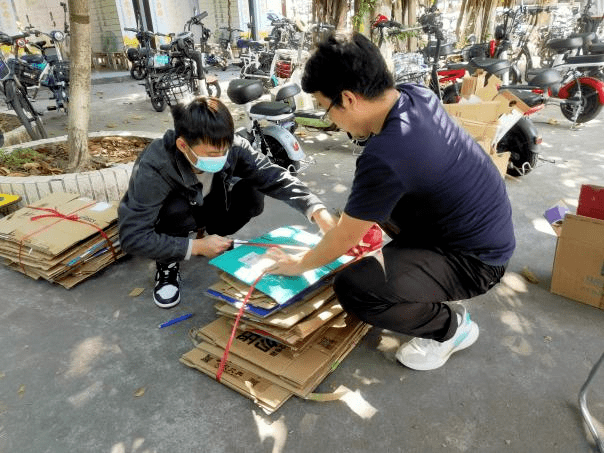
{"points": [[175, 320]]}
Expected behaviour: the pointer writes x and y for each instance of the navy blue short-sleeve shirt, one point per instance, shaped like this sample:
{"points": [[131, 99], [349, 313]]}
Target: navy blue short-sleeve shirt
{"points": [[426, 175]]}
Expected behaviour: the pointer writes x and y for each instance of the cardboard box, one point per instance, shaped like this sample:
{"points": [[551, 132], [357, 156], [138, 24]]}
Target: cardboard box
{"points": [[578, 271], [59, 239]]}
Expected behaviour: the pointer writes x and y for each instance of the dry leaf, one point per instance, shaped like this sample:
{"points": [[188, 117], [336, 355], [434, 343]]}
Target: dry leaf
{"points": [[136, 292], [553, 121], [529, 276], [31, 165], [111, 126], [139, 392], [21, 391]]}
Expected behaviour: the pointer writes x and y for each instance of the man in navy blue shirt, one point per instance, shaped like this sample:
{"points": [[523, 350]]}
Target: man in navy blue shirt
{"points": [[429, 185]]}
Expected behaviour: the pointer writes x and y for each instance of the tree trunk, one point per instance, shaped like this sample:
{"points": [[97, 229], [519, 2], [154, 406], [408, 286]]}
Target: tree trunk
{"points": [[79, 84]]}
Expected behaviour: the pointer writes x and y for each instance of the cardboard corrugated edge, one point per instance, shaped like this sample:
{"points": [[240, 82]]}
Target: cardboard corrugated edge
{"points": [[578, 270], [288, 316]]}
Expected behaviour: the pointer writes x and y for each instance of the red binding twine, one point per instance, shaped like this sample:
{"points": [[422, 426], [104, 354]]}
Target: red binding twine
{"points": [[372, 240], [237, 319], [71, 217]]}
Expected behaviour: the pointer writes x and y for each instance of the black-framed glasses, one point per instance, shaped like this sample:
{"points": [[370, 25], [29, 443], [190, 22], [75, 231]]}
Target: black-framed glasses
{"points": [[324, 117]]}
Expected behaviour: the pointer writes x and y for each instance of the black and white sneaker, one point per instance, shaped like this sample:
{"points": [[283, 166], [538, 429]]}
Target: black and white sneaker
{"points": [[167, 285]]}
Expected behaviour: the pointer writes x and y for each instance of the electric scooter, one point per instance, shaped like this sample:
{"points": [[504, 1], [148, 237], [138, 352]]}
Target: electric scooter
{"points": [[275, 140]]}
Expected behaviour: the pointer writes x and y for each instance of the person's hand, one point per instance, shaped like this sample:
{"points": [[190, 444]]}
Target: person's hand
{"points": [[211, 246], [285, 264]]}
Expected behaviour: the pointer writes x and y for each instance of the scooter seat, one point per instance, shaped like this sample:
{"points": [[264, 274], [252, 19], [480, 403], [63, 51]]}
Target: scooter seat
{"points": [[562, 45], [543, 77], [491, 65], [454, 66], [287, 91], [597, 48], [271, 109], [445, 49], [588, 37], [33, 58], [585, 59], [242, 91], [165, 46]]}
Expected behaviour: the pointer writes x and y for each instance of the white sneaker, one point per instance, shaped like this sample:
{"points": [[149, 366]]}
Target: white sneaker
{"points": [[423, 354]]}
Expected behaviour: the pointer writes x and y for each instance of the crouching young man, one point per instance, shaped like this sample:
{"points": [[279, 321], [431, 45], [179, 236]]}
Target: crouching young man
{"points": [[200, 178], [432, 189]]}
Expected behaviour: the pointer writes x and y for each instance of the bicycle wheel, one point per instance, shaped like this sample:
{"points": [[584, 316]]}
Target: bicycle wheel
{"points": [[24, 110]]}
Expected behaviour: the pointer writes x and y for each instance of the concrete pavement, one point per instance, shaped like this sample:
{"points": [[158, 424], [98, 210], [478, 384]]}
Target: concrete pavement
{"points": [[72, 361]]}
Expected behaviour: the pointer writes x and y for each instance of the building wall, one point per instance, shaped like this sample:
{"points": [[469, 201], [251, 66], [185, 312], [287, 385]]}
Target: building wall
{"points": [[106, 30], [13, 12]]}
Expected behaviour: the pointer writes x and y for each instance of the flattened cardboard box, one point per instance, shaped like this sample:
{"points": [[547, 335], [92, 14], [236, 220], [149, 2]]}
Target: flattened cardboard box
{"points": [[54, 235], [262, 391], [578, 271], [289, 316], [280, 360]]}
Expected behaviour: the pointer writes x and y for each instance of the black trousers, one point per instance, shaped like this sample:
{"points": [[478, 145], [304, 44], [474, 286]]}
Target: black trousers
{"points": [[217, 215], [407, 296]]}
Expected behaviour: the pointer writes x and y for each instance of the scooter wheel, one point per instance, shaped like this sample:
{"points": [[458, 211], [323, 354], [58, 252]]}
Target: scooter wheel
{"points": [[590, 104], [159, 103], [138, 72], [521, 145]]}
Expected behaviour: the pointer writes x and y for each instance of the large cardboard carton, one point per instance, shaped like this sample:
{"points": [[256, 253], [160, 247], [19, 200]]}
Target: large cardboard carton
{"points": [[578, 271]]}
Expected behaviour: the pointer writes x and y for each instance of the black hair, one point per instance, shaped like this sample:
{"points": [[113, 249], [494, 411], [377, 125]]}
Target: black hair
{"points": [[347, 62], [204, 120]]}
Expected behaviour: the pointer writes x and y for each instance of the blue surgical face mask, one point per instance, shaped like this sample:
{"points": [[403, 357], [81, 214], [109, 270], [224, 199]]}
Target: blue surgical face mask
{"points": [[209, 164]]}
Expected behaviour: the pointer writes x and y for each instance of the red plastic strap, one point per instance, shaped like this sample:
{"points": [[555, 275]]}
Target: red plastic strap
{"points": [[372, 240], [72, 217], [223, 361]]}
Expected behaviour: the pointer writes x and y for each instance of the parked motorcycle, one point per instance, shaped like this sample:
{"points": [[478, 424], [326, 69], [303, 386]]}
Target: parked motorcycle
{"points": [[276, 140], [139, 56], [180, 72], [522, 139]]}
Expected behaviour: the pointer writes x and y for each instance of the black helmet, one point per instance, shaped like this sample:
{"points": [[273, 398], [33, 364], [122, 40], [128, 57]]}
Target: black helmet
{"points": [[132, 54], [499, 32]]}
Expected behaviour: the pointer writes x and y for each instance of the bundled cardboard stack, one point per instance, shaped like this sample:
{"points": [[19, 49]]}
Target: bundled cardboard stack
{"points": [[62, 238], [292, 335], [487, 114]]}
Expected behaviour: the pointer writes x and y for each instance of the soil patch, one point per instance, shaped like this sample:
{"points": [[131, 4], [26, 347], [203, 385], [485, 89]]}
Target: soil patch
{"points": [[8, 122], [53, 159]]}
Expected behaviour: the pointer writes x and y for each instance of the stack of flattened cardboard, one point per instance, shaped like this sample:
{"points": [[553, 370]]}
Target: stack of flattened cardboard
{"points": [[487, 114], [279, 349], [63, 238]]}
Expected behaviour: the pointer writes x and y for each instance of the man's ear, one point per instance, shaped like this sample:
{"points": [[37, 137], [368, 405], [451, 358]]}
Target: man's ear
{"points": [[349, 99], [181, 144]]}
